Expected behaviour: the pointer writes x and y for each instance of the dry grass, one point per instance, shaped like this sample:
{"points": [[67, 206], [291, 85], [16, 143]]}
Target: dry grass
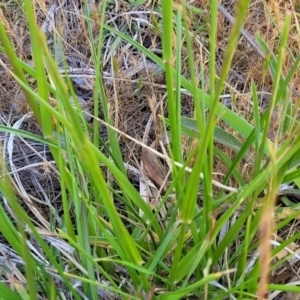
{"points": [[133, 91]]}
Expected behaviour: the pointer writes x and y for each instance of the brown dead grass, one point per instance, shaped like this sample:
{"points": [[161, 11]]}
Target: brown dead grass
{"points": [[129, 96]]}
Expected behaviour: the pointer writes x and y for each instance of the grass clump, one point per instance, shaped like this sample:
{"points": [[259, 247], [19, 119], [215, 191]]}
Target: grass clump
{"points": [[139, 160]]}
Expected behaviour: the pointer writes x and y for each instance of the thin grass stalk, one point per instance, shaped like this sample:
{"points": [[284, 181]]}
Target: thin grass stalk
{"points": [[7, 228], [239, 199], [191, 193], [99, 91], [281, 247], [207, 171], [243, 260], [173, 105], [130, 250], [290, 51], [100, 285], [181, 293], [46, 120], [61, 164], [225, 159], [241, 154], [93, 49], [27, 135], [173, 217], [267, 217], [286, 126], [284, 287], [180, 179], [189, 199], [80, 212], [199, 254], [60, 135], [66, 206], [275, 89], [53, 292], [96, 55], [133, 268], [26, 68], [266, 230], [240, 12], [92, 229], [14, 61], [256, 115], [177, 255], [110, 240], [288, 79], [241, 9], [81, 223], [162, 250], [30, 265], [61, 93], [207, 174]]}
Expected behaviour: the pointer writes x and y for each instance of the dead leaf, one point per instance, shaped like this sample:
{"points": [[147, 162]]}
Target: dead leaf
{"points": [[155, 170]]}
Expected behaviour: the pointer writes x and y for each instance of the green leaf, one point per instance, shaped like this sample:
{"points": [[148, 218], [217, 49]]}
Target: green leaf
{"points": [[7, 293], [190, 128]]}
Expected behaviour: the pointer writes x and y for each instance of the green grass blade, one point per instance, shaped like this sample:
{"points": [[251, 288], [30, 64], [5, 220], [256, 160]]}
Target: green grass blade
{"points": [[189, 126], [276, 68], [7, 293], [173, 103], [13, 59], [183, 292], [46, 121], [256, 115]]}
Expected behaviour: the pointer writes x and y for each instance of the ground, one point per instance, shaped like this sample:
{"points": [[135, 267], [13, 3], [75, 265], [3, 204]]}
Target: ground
{"points": [[136, 88]]}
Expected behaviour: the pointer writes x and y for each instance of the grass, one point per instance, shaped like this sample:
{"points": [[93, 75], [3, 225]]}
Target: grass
{"points": [[118, 225]]}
